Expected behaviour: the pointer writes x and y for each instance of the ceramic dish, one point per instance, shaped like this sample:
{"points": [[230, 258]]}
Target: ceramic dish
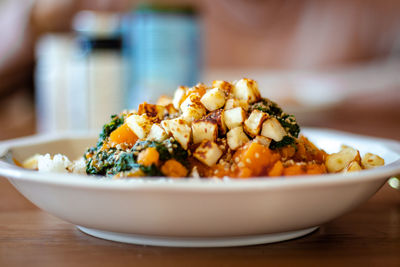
{"points": [[197, 212]]}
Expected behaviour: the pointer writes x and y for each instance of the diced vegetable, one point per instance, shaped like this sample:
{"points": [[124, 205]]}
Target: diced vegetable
{"points": [[224, 86], [199, 90], [157, 133], [236, 138], [173, 168], [213, 99], [245, 172], [234, 117], [208, 153], [277, 169], [192, 101], [123, 134], [179, 96], [316, 168], [353, 166], [139, 124], [338, 161], [371, 161], [217, 117], [295, 169], [246, 89], [108, 128], [204, 130], [192, 109], [179, 130], [152, 111], [253, 123], [256, 157], [271, 128], [148, 157], [234, 103]]}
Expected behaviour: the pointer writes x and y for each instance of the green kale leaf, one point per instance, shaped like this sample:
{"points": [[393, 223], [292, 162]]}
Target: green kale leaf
{"points": [[108, 128], [151, 170], [166, 149], [99, 162], [125, 162], [286, 141], [290, 125]]}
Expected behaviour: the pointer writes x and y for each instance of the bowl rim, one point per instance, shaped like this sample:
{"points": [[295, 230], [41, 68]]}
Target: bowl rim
{"points": [[16, 173]]}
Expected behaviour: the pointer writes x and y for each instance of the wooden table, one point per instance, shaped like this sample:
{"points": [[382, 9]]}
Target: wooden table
{"points": [[367, 236]]}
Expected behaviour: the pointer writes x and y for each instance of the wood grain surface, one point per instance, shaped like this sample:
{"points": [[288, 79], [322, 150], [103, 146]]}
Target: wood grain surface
{"points": [[367, 236]]}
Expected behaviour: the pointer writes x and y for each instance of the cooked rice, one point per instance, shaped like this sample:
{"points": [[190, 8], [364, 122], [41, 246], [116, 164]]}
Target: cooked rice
{"points": [[61, 164]]}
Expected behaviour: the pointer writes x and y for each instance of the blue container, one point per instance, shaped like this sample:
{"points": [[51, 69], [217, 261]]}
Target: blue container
{"points": [[163, 51]]}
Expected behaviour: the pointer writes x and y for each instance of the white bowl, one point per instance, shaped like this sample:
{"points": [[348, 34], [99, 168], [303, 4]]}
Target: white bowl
{"points": [[197, 212]]}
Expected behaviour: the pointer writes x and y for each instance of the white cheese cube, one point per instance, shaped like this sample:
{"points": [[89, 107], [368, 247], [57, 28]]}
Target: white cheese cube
{"points": [[236, 138], [234, 117], [139, 124], [371, 160], [192, 114], [192, 109], [199, 90], [157, 133], [336, 162], [193, 102], [179, 130], [213, 99], [271, 128], [223, 85], [246, 89], [208, 153], [179, 96], [151, 110], [253, 123], [204, 130], [353, 166], [234, 103], [217, 116], [170, 109]]}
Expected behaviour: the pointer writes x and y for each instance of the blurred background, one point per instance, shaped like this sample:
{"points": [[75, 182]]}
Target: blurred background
{"points": [[69, 64]]}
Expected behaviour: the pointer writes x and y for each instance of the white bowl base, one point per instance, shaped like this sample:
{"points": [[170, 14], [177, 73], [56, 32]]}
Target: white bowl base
{"points": [[196, 242]]}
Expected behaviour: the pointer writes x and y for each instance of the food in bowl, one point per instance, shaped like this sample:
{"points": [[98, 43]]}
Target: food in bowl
{"points": [[223, 130]]}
